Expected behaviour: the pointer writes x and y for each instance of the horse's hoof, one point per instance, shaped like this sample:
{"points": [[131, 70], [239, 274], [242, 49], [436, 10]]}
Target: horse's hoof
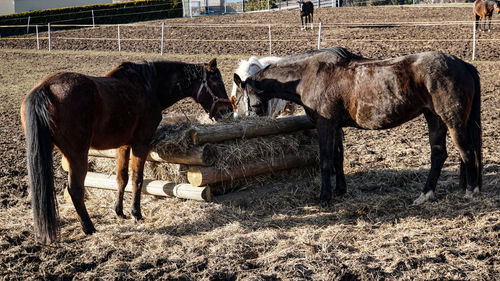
{"points": [[137, 216], [122, 216], [89, 230], [470, 194], [424, 198]]}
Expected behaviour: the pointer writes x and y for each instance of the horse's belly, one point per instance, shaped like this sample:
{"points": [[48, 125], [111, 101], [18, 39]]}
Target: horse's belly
{"points": [[375, 117], [114, 134]]}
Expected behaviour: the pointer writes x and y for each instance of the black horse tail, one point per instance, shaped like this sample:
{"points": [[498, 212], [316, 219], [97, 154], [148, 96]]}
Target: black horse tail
{"points": [[40, 171], [474, 124]]}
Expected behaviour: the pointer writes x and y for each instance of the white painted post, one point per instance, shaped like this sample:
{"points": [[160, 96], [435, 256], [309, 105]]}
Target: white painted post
{"points": [[268, 5], [190, 10], [225, 6], [119, 45], [37, 39], [48, 30], [474, 41], [93, 20], [319, 35], [28, 26], [270, 40], [162, 36]]}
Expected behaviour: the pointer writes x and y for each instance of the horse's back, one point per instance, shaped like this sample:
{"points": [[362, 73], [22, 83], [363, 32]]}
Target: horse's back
{"points": [[390, 92]]}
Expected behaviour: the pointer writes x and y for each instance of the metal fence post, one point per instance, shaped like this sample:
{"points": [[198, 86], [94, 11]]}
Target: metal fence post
{"points": [[162, 36], [319, 35], [270, 40], [48, 30], [119, 45], [37, 39], [93, 21], [474, 41]]}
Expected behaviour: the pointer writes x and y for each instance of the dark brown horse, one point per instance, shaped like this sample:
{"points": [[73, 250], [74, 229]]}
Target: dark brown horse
{"points": [[483, 10], [307, 13], [340, 89], [75, 112]]}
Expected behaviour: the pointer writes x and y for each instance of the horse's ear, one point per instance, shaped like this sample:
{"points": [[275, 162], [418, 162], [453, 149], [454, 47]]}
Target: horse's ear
{"points": [[237, 81], [212, 65]]}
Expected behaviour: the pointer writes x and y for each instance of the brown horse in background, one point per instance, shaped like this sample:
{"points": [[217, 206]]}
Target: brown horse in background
{"points": [[75, 112], [340, 89], [483, 10]]}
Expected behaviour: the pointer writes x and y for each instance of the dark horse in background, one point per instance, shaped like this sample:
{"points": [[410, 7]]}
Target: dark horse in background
{"points": [[339, 89], [307, 12], [75, 112], [483, 10]]}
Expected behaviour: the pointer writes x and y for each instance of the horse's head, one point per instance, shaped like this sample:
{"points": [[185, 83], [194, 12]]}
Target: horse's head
{"points": [[212, 94], [250, 98]]}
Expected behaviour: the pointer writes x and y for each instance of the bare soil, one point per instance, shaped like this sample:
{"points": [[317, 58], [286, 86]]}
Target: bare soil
{"points": [[371, 233]]}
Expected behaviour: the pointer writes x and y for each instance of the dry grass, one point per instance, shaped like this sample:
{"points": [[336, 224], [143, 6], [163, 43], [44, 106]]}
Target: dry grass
{"points": [[371, 233]]}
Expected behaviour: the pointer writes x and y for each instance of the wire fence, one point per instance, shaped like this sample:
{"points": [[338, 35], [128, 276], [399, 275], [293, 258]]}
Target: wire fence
{"points": [[254, 38]]}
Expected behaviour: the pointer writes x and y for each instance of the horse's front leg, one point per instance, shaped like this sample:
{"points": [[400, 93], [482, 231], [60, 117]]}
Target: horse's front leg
{"points": [[325, 140], [139, 155], [489, 23], [338, 163], [122, 160]]}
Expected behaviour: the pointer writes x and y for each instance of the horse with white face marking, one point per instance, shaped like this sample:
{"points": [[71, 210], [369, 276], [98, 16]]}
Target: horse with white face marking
{"points": [[247, 68]]}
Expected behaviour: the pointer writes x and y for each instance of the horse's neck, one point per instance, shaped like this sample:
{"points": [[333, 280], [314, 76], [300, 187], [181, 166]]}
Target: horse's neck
{"points": [[180, 81], [281, 82]]}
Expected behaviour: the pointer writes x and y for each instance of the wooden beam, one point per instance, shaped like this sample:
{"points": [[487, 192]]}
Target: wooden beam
{"points": [[200, 176], [250, 129], [199, 155], [152, 187]]}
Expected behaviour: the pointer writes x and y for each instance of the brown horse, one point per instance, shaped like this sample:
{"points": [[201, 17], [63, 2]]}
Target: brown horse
{"points": [[340, 89], [75, 112], [483, 10]]}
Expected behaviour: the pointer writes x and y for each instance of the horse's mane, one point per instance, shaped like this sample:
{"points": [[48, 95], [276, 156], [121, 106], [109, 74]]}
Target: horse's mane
{"points": [[335, 55], [139, 73]]}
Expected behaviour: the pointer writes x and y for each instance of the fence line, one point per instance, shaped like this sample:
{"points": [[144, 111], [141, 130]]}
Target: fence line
{"points": [[270, 39], [256, 25], [323, 39]]}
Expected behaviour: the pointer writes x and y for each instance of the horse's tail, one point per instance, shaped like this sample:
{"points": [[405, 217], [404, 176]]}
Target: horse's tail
{"points": [[40, 173], [474, 123]]}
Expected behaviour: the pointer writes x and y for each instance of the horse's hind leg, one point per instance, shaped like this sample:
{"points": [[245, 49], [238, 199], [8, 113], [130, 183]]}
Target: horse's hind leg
{"points": [[462, 139], [437, 140], [76, 176], [139, 155], [122, 160]]}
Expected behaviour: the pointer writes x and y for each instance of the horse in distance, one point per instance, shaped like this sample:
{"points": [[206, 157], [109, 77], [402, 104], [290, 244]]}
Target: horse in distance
{"points": [[340, 89], [246, 68], [307, 13], [483, 11], [76, 112]]}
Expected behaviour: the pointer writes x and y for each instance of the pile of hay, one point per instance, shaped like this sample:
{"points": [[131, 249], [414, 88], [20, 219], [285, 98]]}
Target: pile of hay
{"points": [[171, 138]]}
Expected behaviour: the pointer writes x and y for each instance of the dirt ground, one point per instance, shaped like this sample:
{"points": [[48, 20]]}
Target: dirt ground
{"points": [[371, 233]]}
